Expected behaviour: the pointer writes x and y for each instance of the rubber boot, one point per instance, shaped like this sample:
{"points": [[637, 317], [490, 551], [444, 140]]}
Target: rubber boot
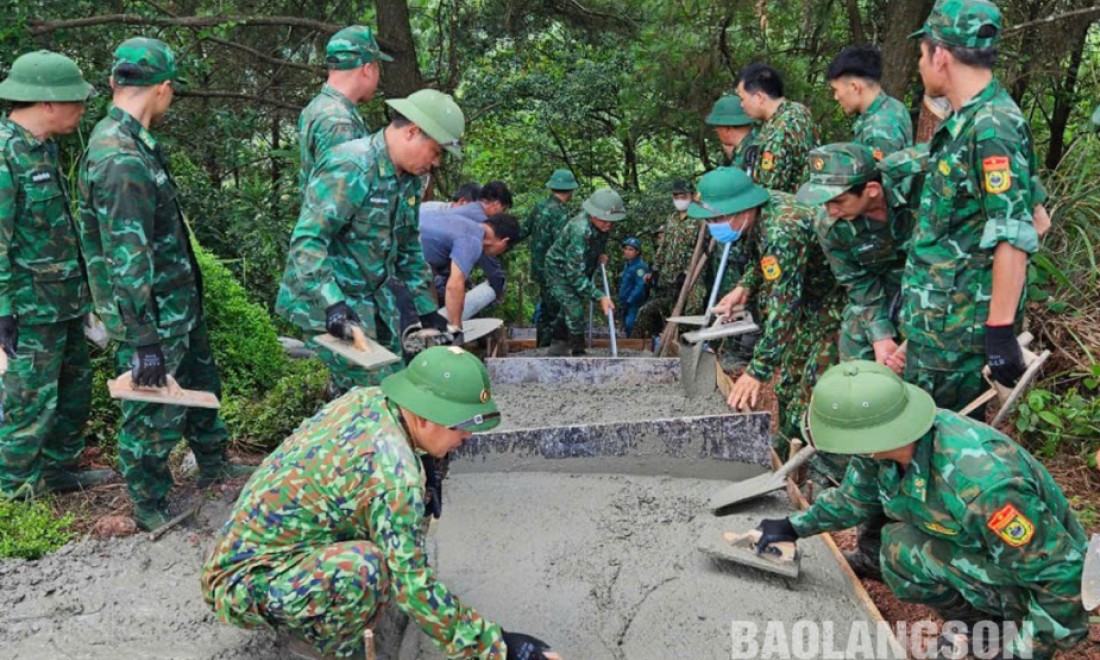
{"points": [[208, 476], [865, 559], [558, 348], [151, 515], [61, 480], [576, 346]]}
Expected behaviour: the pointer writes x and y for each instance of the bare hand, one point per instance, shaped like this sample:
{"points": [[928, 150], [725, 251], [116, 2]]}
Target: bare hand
{"points": [[895, 360], [745, 393], [884, 350], [646, 277], [606, 306], [604, 259], [1041, 219], [730, 302]]}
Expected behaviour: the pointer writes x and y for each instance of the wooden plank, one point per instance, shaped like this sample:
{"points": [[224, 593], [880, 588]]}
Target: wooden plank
{"points": [[373, 357], [173, 395]]}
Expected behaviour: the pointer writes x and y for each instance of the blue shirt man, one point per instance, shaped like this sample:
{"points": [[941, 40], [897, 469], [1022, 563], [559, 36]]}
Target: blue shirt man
{"points": [[632, 292]]}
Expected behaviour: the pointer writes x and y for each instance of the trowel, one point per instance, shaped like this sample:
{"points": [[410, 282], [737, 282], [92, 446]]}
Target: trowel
{"points": [[416, 339], [360, 350], [750, 489], [740, 547], [610, 314], [740, 322], [698, 381], [172, 394]]}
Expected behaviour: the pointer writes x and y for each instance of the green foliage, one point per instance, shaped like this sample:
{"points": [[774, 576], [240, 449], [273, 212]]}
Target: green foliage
{"points": [[30, 530], [1067, 420], [262, 423]]}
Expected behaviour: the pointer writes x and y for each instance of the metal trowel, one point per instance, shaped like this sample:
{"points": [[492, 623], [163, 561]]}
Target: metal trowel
{"points": [[779, 558], [739, 323], [360, 350]]}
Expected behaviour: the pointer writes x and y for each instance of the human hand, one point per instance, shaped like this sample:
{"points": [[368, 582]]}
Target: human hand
{"points": [[745, 393]]}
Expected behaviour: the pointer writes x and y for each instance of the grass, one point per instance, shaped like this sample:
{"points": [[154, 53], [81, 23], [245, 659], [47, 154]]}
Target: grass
{"points": [[31, 530]]}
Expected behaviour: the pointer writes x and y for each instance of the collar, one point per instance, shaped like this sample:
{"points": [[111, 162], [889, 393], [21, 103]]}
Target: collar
{"points": [[915, 482], [132, 126], [396, 412], [382, 161], [23, 133], [331, 92], [957, 120], [875, 105]]}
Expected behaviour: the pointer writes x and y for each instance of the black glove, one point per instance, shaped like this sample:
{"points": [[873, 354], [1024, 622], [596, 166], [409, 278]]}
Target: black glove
{"points": [[148, 364], [775, 531], [1002, 351], [433, 321], [9, 335], [338, 320], [433, 478], [524, 647]]}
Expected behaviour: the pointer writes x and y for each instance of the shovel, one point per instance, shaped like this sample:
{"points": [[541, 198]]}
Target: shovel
{"points": [[750, 489], [696, 381], [361, 350], [610, 314]]}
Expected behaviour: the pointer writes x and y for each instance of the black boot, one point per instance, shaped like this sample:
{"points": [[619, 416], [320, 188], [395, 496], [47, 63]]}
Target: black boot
{"points": [[577, 344]]}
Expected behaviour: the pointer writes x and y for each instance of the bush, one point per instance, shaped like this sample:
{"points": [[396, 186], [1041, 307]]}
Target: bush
{"points": [[31, 530], [263, 423]]}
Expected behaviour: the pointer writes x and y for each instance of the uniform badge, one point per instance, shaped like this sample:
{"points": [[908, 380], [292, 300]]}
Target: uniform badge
{"points": [[998, 174], [767, 161], [484, 396], [1012, 526], [818, 164], [40, 177], [640, 272], [877, 153], [945, 169], [770, 266], [940, 529], [412, 201]]}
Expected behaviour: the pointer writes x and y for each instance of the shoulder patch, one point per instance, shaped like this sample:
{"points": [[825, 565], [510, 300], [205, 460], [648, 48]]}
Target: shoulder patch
{"points": [[770, 267], [877, 153], [998, 174], [1011, 526], [940, 529], [767, 161], [945, 168]]}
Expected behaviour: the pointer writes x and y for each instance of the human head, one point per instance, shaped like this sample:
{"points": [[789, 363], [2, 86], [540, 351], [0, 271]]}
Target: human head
{"points": [[466, 193], [445, 395], [728, 200], [423, 125], [759, 87], [146, 68], [957, 33], [353, 59], [501, 234], [854, 75], [729, 120], [632, 247], [844, 178], [862, 407], [604, 207], [562, 183], [681, 194], [495, 197], [51, 87]]}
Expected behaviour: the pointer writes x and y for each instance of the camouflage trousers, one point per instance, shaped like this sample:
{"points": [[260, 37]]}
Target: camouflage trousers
{"points": [[149, 431], [46, 400], [380, 324], [327, 597], [953, 379], [920, 568], [569, 312], [650, 320], [544, 326]]}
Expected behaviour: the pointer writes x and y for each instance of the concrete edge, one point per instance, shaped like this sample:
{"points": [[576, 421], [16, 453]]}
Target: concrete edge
{"points": [[582, 370]]}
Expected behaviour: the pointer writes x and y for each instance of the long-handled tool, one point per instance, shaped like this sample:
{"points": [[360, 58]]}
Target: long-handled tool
{"points": [[780, 558], [698, 381], [361, 350], [694, 271], [750, 489], [172, 394], [610, 313]]}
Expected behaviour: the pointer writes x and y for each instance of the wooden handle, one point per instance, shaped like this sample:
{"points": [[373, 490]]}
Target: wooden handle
{"points": [[359, 339], [368, 644], [3, 362]]}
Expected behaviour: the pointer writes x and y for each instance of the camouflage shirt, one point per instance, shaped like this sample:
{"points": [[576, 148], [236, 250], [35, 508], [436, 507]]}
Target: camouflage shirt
{"points": [[746, 155], [141, 267], [885, 126], [979, 191], [975, 488], [574, 258], [329, 119], [358, 226], [41, 275], [673, 255], [349, 472], [787, 276], [785, 141], [542, 225]]}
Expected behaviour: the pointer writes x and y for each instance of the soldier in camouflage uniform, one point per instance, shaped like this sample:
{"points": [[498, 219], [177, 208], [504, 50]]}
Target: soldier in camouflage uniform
{"points": [[331, 118], [43, 294], [571, 263], [736, 131], [789, 280], [979, 530], [975, 217], [883, 122], [788, 131], [328, 531], [145, 282], [358, 226], [543, 224]]}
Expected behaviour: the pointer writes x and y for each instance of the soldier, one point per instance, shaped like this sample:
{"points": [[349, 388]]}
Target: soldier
{"points": [[358, 227], [979, 530], [736, 131], [328, 532], [963, 283], [570, 263], [43, 293], [882, 123], [632, 283], [145, 282], [543, 225], [331, 118], [787, 133], [789, 280]]}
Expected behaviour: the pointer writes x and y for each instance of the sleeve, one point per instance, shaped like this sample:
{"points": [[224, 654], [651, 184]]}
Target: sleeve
{"points": [[329, 200], [1005, 190], [457, 629], [782, 158], [494, 272], [8, 196], [124, 197], [410, 266], [466, 252], [866, 292], [526, 227], [569, 247], [330, 132], [636, 292], [844, 506], [783, 269]]}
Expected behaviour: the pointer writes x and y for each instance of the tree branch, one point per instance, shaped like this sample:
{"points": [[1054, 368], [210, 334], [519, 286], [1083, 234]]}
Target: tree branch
{"points": [[240, 96], [1052, 18], [39, 28]]}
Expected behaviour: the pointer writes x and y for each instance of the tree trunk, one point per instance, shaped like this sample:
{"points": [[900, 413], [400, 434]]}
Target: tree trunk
{"points": [[1064, 97], [899, 53], [400, 77]]}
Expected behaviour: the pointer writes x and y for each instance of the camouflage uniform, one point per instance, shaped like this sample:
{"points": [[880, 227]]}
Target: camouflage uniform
{"points": [[542, 225], [147, 289], [977, 517], [570, 264], [671, 260], [47, 389], [885, 126], [328, 532], [979, 191], [747, 154], [358, 226], [329, 119], [785, 139]]}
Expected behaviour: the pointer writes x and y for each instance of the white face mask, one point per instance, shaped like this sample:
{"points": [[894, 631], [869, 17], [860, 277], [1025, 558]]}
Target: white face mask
{"points": [[681, 204]]}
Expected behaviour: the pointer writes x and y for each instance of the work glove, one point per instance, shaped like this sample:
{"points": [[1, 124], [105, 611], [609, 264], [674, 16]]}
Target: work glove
{"points": [[775, 530], [433, 321], [433, 479], [9, 335], [339, 319], [524, 647], [148, 367], [1002, 351]]}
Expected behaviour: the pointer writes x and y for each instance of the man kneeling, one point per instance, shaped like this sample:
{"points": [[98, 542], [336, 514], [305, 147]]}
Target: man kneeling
{"points": [[328, 530]]}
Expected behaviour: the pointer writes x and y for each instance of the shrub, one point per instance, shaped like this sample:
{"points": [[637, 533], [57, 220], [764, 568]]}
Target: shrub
{"points": [[264, 422], [31, 530]]}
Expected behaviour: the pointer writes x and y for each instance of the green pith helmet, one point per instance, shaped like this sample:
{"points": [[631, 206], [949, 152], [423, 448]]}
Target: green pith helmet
{"points": [[45, 77], [835, 169], [634, 243], [861, 407], [682, 187], [562, 180], [727, 111], [448, 386], [724, 191], [353, 46], [141, 62], [605, 204], [961, 22], [436, 114]]}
